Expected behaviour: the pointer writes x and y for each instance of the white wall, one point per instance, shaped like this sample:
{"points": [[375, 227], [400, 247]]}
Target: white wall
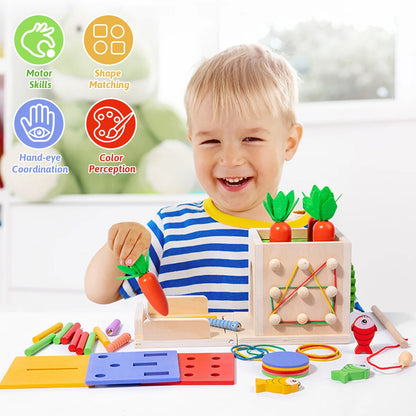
{"points": [[373, 166]]}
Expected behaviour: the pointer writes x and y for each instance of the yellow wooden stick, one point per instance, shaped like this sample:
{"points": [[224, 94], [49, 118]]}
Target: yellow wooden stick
{"points": [[54, 328], [101, 336]]}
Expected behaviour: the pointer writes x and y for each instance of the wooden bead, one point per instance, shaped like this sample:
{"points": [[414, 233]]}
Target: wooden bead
{"points": [[302, 318], [275, 293], [332, 263], [405, 359], [331, 291], [330, 318], [275, 319], [303, 292], [303, 264], [275, 265]]}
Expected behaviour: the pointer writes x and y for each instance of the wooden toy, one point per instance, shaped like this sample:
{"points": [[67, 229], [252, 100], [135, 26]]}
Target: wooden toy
{"points": [[222, 323], [40, 345], [113, 328], [405, 359], [300, 291], [285, 363], [153, 329], [101, 336], [321, 206], [148, 283], [81, 343], [363, 329], [122, 340], [389, 326], [68, 336], [57, 371], [206, 368], [284, 385], [75, 339], [62, 332], [53, 329], [132, 368], [350, 372], [90, 343]]}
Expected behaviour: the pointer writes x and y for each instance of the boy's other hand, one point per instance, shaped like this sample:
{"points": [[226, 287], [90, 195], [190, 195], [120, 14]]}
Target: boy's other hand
{"points": [[128, 240]]}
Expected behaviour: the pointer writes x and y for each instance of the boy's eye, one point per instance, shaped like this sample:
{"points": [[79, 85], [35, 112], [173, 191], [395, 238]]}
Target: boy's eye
{"points": [[252, 139], [210, 141]]}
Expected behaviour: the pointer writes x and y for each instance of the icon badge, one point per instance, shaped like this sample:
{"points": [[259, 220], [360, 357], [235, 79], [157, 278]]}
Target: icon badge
{"points": [[39, 40], [108, 40], [110, 123], [38, 123]]}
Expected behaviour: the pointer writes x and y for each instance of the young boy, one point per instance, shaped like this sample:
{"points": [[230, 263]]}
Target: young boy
{"points": [[242, 127]]}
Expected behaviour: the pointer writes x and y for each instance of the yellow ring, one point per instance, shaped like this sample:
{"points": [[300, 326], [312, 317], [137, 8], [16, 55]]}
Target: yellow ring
{"points": [[304, 367], [313, 357]]}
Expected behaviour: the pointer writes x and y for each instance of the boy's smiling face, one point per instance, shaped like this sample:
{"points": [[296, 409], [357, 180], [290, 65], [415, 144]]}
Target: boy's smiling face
{"points": [[239, 159]]}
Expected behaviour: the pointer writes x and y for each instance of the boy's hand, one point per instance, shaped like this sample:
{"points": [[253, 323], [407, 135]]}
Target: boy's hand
{"points": [[128, 240]]}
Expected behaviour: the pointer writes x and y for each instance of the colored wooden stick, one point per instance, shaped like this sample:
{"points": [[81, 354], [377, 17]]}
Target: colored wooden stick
{"points": [[75, 339], [389, 326], [40, 345], [62, 332], [81, 343], [90, 343], [51, 330], [101, 336], [68, 336]]}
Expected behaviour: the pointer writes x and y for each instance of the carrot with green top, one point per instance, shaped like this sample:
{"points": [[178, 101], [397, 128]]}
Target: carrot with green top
{"points": [[148, 283], [279, 210], [321, 206]]}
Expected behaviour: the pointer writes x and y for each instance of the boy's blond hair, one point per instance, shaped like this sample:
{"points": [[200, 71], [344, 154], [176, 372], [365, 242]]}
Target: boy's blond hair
{"points": [[246, 79]]}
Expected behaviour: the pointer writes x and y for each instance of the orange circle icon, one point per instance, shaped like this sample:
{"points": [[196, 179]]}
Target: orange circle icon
{"points": [[108, 40]]}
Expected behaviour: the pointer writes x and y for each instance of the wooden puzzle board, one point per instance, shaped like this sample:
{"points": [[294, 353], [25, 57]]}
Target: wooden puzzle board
{"points": [[43, 371]]}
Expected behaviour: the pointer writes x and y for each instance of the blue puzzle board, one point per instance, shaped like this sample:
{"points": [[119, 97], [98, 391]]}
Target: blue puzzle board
{"points": [[132, 368]]}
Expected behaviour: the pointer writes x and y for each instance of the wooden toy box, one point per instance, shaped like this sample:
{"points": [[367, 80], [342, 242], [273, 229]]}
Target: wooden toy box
{"points": [[314, 282], [309, 311]]}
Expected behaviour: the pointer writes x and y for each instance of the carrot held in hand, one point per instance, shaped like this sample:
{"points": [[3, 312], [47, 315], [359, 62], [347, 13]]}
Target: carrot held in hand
{"points": [[321, 205], [148, 283], [279, 210]]}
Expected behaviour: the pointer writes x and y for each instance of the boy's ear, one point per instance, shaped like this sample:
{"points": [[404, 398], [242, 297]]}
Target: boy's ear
{"points": [[295, 134]]}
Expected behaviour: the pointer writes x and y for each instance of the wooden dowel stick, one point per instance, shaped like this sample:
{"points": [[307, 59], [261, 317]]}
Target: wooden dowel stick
{"points": [[389, 326]]}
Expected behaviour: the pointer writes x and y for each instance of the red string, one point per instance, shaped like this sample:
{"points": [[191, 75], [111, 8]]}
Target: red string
{"points": [[378, 352]]}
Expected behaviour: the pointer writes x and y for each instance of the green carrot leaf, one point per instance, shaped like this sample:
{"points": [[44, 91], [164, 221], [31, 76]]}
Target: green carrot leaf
{"points": [[281, 206], [125, 269], [328, 209]]}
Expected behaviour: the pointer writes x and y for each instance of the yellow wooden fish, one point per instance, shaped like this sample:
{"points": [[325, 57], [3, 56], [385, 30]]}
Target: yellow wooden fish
{"points": [[284, 385]]}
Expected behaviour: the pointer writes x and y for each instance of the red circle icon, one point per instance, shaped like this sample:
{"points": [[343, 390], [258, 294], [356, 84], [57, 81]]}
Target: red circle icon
{"points": [[110, 123]]}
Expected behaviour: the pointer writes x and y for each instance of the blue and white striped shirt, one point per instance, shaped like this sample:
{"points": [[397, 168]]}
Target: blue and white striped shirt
{"points": [[194, 254]]}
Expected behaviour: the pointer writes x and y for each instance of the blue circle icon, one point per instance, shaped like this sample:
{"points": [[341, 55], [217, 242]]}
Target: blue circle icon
{"points": [[38, 123]]}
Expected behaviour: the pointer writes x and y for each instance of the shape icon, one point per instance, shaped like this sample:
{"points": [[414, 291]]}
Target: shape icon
{"points": [[39, 40], [110, 123], [108, 40], [38, 123]]}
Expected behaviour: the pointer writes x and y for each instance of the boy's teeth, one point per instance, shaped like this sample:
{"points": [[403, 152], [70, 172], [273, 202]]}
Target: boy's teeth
{"points": [[234, 181]]}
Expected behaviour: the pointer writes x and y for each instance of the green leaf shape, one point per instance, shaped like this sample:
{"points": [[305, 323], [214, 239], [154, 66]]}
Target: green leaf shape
{"points": [[321, 203], [138, 269], [281, 206]]}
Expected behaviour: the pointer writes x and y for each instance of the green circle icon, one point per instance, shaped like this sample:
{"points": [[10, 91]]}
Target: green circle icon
{"points": [[38, 40]]}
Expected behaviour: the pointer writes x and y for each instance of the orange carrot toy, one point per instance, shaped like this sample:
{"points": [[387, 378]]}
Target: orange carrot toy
{"points": [[148, 283]]}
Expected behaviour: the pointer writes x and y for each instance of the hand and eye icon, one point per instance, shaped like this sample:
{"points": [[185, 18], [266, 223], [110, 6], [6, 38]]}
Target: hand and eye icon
{"points": [[40, 125], [34, 39]]}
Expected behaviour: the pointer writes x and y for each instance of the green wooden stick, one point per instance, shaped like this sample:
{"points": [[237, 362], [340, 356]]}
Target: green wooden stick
{"points": [[89, 344], [40, 345], [62, 332]]}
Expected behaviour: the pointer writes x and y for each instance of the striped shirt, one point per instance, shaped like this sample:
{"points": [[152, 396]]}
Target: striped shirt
{"points": [[197, 250]]}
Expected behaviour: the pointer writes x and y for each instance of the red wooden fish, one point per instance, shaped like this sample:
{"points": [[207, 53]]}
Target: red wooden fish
{"points": [[363, 329]]}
